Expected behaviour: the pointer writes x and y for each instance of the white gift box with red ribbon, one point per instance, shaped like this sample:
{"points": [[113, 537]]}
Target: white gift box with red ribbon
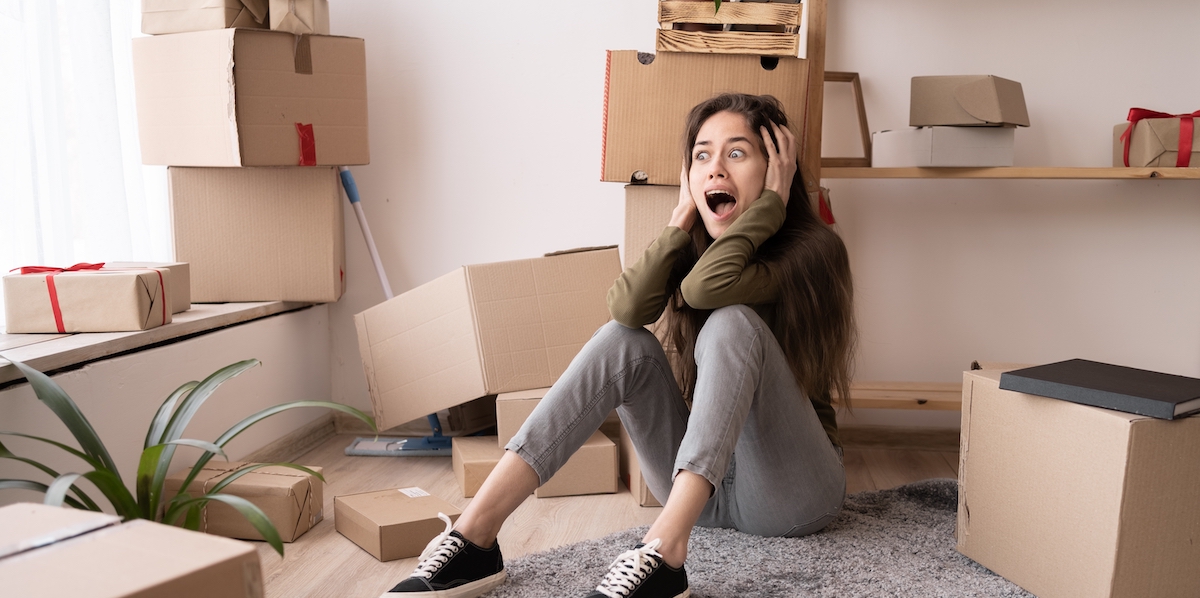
{"points": [[86, 298]]}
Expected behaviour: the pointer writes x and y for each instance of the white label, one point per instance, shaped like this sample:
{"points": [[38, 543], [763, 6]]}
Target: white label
{"points": [[414, 492]]}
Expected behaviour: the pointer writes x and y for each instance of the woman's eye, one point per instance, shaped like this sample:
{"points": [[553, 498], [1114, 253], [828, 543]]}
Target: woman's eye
{"points": [[701, 156], [737, 153]]}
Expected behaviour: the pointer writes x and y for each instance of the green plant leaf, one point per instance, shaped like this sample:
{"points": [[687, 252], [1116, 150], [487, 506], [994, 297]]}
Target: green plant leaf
{"points": [[718, 8], [57, 490], [38, 487], [152, 468], [190, 404], [72, 450], [252, 513], [115, 491], [176, 506], [158, 425], [83, 497], [229, 479], [192, 521]]}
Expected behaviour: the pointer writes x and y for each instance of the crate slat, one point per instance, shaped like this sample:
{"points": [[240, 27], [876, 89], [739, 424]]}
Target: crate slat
{"points": [[728, 42], [731, 13]]}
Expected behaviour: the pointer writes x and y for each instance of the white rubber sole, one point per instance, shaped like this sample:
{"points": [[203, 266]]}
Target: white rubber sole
{"points": [[470, 590]]}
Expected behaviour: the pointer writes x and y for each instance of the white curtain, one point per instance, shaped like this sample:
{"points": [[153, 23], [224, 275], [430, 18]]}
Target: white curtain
{"points": [[72, 186]]}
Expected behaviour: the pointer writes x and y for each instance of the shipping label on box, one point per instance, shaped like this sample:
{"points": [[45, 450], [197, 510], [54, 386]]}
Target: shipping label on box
{"points": [[244, 97], [943, 146], [481, 330], [259, 234], [966, 100], [1154, 142], [178, 16], [646, 105], [473, 458], [54, 300], [391, 524], [591, 470], [293, 500]]}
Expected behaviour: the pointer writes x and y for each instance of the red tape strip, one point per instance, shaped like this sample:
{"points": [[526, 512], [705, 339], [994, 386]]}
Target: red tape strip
{"points": [[308, 145]]}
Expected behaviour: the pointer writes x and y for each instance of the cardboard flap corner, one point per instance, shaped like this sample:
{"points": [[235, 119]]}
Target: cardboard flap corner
{"points": [[994, 100]]}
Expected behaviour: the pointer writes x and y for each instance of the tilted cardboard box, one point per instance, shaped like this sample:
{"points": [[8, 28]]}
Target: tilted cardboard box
{"points": [[293, 500], [481, 330], [1070, 500], [103, 300], [247, 97], [473, 458], [391, 524], [966, 100], [178, 16], [1155, 142], [943, 146]]}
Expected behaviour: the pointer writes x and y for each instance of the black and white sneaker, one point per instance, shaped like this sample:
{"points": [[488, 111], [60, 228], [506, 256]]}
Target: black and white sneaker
{"points": [[452, 567], [641, 573]]}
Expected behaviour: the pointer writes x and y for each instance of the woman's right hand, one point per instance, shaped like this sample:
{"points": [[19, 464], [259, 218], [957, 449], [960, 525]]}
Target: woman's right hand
{"points": [[685, 212]]}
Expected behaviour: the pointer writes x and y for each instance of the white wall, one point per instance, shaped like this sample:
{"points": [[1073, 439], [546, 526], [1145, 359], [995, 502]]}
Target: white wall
{"points": [[485, 124]]}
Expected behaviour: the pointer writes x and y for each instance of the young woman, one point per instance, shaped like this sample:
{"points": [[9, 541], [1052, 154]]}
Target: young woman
{"points": [[758, 304]]}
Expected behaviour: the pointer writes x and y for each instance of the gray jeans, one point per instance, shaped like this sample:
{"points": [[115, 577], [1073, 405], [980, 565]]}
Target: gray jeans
{"points": [[751, 432]]}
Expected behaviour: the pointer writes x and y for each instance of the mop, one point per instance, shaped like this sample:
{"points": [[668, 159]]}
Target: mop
{"points": [[429, 446]]}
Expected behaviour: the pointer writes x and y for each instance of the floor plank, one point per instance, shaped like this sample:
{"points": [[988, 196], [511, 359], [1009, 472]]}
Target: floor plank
{"points": [[858, 478], [893, 467]]}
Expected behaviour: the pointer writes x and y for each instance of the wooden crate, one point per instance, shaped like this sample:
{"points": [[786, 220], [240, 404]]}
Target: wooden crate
{"points": [[787, 19]]}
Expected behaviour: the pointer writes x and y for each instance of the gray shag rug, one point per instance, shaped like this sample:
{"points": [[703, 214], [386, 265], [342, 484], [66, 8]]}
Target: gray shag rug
{"points": [[897, 542]]}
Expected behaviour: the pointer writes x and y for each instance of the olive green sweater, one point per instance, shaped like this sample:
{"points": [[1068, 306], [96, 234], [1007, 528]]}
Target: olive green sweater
{"points": [[722, 276]]}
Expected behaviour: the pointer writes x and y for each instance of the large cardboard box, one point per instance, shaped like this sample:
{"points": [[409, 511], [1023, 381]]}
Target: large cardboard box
{"points": [[966, 100], [259, 234], [1155, 142], [391, 524], [646, 104], [292, 499], [178, 16], [247, 97], [179, 288], [631, 473], [943, 146], [591, 470], [473, 458], [50, 552], [91, 300], [481, 330], [1071, 500]]}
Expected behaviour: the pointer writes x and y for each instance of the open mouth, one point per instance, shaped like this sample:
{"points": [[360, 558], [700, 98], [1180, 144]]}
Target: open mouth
{"points": [[720, 202]]}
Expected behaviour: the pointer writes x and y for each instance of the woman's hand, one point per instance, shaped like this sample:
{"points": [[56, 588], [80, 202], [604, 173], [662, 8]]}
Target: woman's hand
{"points": [[781, 160], [685, 212]]}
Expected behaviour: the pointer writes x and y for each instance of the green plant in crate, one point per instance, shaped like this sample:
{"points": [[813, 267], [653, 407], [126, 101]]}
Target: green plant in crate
{"points": [[163, 437]]}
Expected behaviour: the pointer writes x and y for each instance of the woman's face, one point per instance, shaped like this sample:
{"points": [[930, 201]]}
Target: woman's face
{"points": [[728, 170]]}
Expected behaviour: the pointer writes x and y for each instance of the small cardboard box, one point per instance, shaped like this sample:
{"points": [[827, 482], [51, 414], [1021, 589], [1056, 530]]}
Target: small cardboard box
{"points": [[1071, 500], [50, 552], [301, 17], [481, 330], [512, 409], [87, 301], [247, 97], [292, 499], [648, 209], [179, 288], [391, 524], [966, 100], [591, 470], [259, 234], [178, 16], [1155, 142], [943, 146], [631, 473], [646, 105], [473, 458]]}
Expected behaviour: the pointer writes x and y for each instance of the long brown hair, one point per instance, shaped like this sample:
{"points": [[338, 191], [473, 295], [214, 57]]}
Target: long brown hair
{"points": [[813, 319]]}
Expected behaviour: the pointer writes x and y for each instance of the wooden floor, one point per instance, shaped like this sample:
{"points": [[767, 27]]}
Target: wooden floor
{"points": [[323, 563]]}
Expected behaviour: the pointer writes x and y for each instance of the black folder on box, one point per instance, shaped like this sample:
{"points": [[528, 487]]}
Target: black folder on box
{"points": [[1142, 392]]}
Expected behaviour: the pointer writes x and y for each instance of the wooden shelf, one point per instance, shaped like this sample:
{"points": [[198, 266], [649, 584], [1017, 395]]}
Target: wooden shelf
{"points": [[1011, 173], [928, 396]]}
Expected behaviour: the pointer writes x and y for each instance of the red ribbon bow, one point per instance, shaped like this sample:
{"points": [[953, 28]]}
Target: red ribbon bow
{"points": [[75, 268], [1186, 126], [51, 271]]}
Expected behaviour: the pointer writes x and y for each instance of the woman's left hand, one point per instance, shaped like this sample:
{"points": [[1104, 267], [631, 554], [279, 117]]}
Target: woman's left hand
{"points": [[781, 160]]}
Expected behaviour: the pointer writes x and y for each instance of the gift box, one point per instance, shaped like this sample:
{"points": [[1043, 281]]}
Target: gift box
{"points": [[178, 16], [86, 298], [301, 17], [1157, 139], [966, 100], [391, 524], [179, 287], [292, 499]]}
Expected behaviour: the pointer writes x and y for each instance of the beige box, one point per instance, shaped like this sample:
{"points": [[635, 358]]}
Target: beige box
{"points": [[648, 209], [301, 17], [259, 234], [512, 409], [179, 289], [473, 458], [631, 473], [178, 16], [247, 97], [966, 100], [646, 105], [293, 500], [87, 301], [1071, 500], [51, 552], [591, 470], [1155, 142], [391, 524], [943, 146], [481, 330]]}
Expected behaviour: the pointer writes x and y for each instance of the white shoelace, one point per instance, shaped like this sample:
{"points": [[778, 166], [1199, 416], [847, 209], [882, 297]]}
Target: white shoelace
{"points": [[438, 552], [631, 568]]}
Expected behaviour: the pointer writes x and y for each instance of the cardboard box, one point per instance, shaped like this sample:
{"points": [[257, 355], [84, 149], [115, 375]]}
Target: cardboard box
{"points": [[481, 330], [301, 17], [50, 552], [646, 105], [472, 416], [178, 16], [86, 301], [1071, 500], [259, 234], [512, 409], [648, 209], [292, 499], [943, 146], [966, 100], [179, 288], [591, 470], [245, 97], [631, 473], [391, 524], [473, 458], [1155, 142]]}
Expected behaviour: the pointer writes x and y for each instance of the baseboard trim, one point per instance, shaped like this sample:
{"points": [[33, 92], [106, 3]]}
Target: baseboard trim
{"points": [[292, 445], [912, 438]]}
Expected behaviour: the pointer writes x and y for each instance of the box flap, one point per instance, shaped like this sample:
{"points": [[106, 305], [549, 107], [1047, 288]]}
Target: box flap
{"points": [[994, 100], [25, 526]]}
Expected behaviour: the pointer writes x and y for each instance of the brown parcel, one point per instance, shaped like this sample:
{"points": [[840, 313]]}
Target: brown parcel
{"points": [[89, 301], [178, 16], [1071, 500], [480, 330], [300, 16], [646, 104], [1155, 142], [391, 524], [966, 100], [190, 86], [292, 499], [65, 552], [179, 290], [259, 234], [473, 458], [591, 470]]}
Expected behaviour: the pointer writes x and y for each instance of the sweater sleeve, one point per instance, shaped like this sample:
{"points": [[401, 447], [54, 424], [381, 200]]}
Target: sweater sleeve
{"points": [[639, 295], [724, 275]]}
